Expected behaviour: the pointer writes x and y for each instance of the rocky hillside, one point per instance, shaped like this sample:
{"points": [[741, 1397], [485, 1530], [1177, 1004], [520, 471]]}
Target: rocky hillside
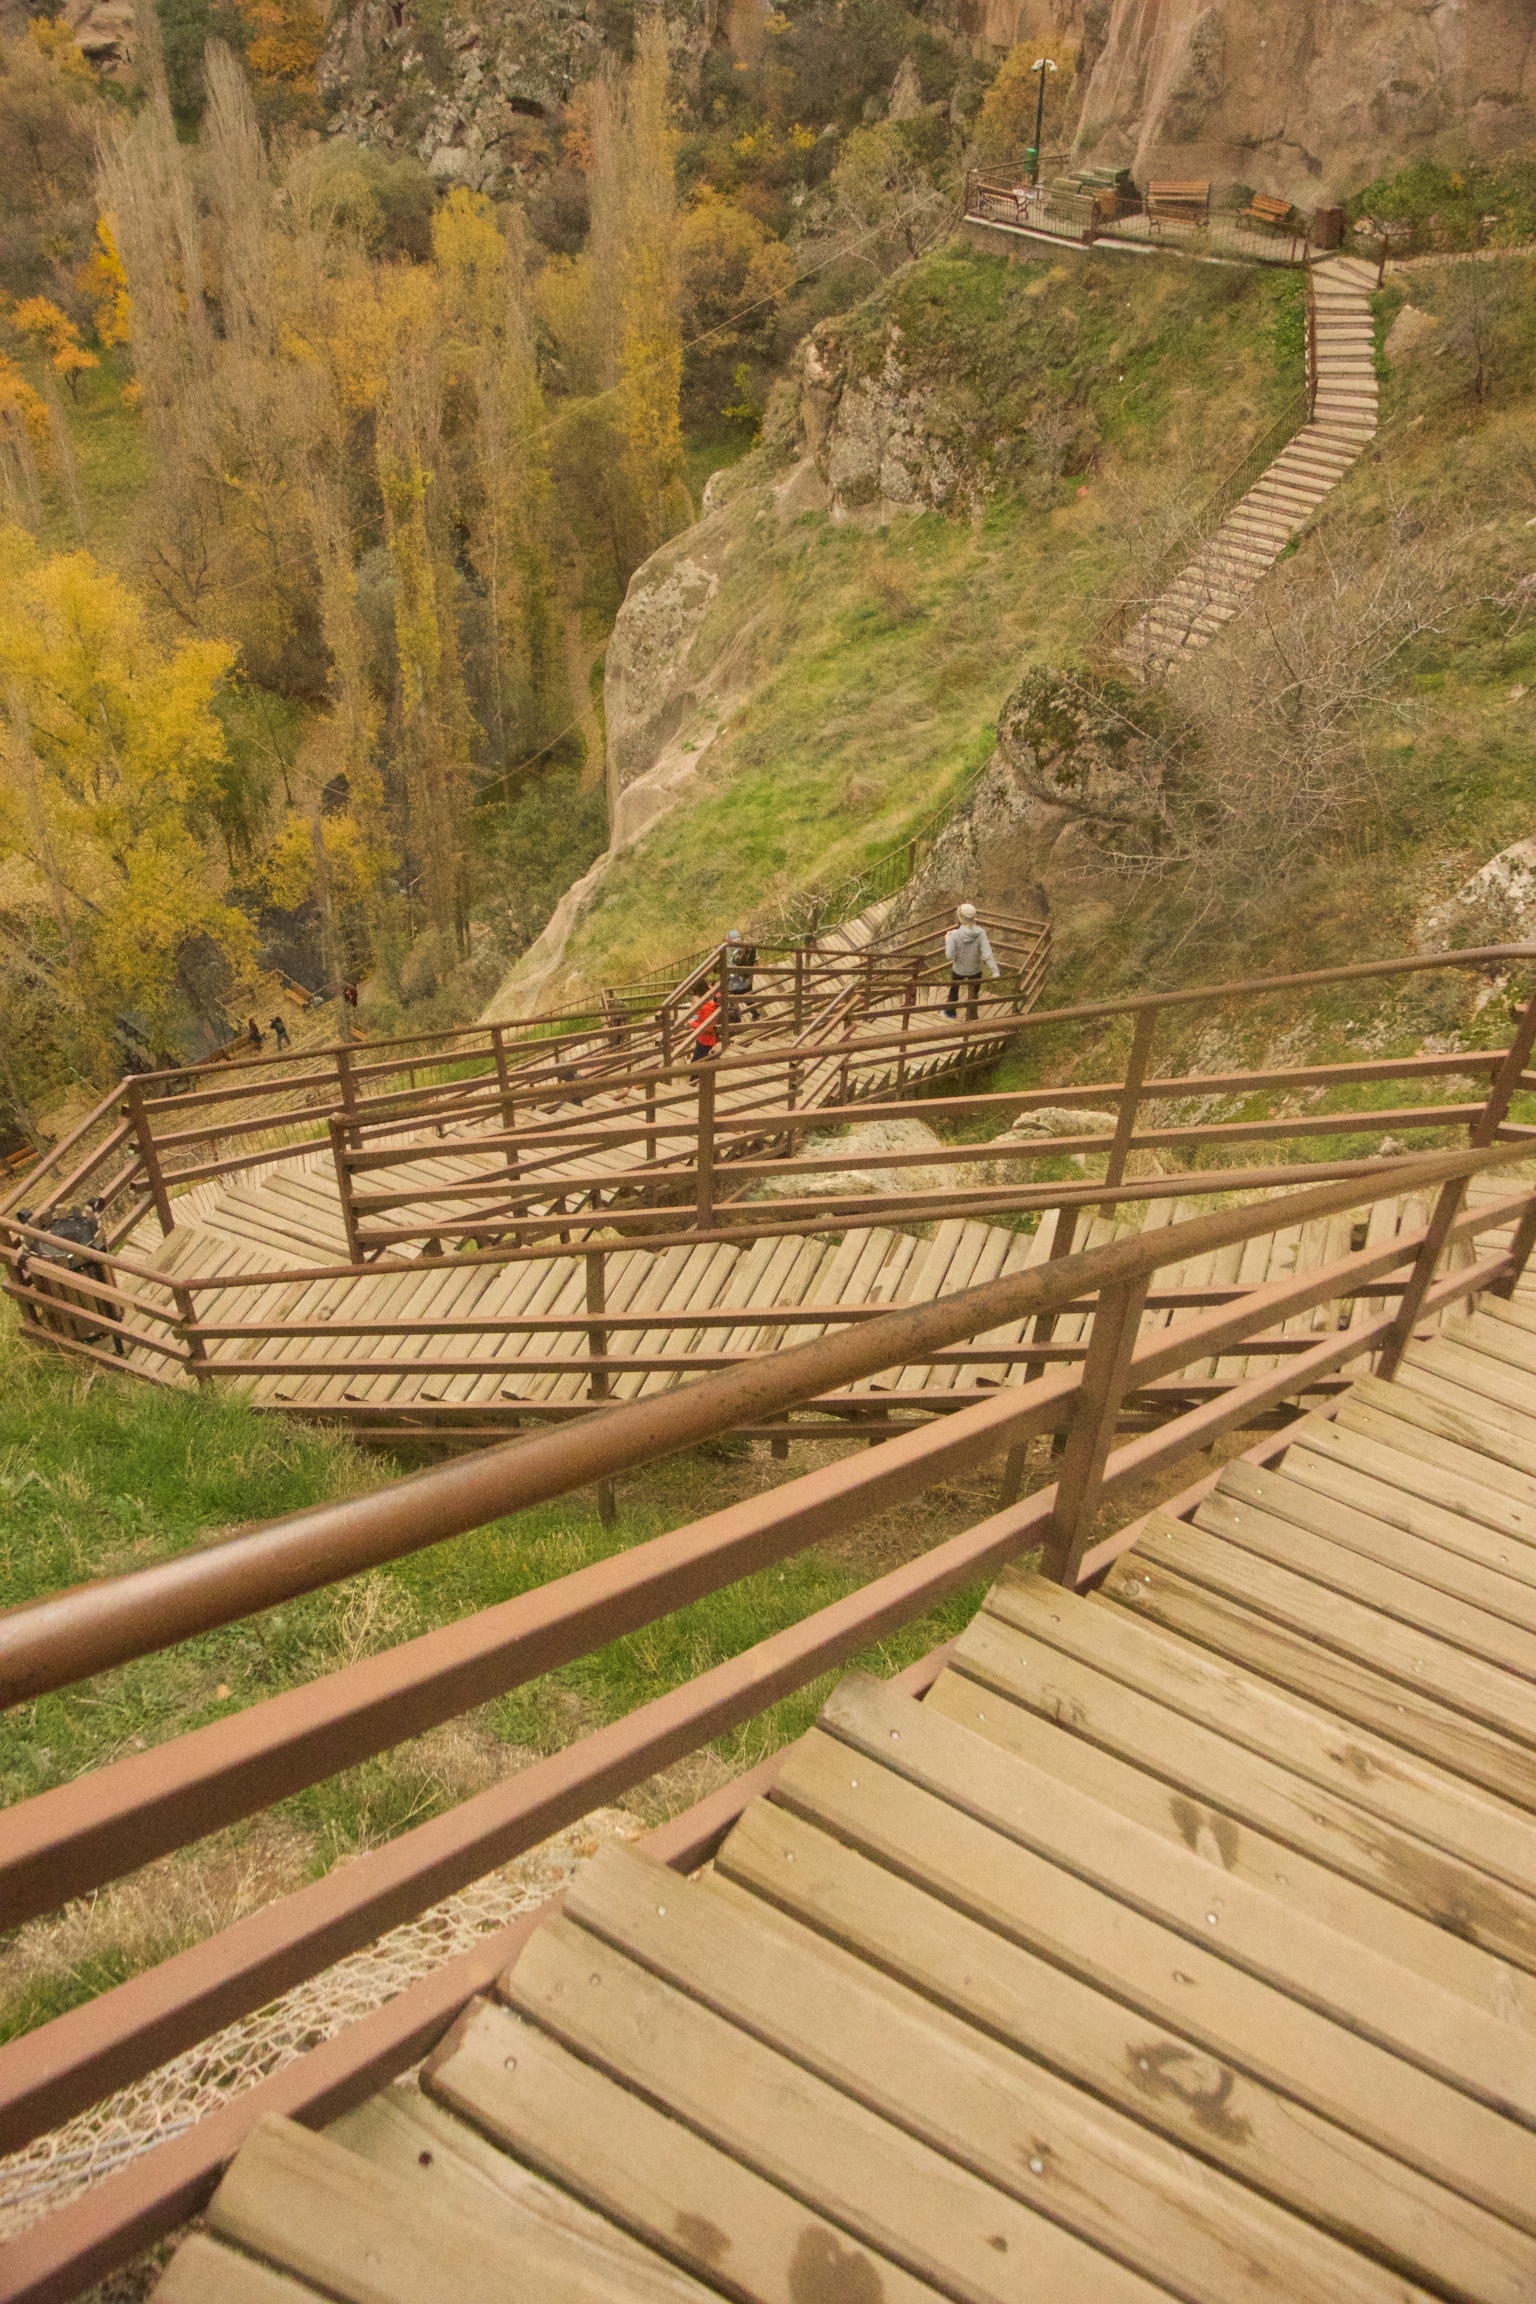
{"points": [[918, 560], [1302, 97], [952, 482]]}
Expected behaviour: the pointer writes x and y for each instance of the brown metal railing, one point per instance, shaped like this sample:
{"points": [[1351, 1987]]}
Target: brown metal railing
{"points": [[999, 196], [694, 1191], [67, 1841]]}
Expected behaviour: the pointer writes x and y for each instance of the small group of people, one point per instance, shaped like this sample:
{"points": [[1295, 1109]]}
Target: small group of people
{"points": [[967, 948], [255, 1038], [704, 1023]]}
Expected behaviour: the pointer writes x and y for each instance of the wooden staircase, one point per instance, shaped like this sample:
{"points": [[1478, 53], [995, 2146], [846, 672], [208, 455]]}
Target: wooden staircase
{"points": [[1218, 580], [1181, 1942]]}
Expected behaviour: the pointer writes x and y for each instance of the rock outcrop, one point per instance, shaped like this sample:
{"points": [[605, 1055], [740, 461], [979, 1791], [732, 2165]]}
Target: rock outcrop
{"points": [[467, 92], [1497, 905], [1305, 98], [876, 435]]}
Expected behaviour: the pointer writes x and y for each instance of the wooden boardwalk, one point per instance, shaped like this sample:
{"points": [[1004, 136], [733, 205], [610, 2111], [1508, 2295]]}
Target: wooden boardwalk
{"points": [[289, 1216], [294, 1218], [1181, 1942]]}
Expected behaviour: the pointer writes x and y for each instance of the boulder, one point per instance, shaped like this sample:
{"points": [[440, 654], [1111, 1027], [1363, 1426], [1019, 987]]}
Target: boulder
{"points": [[1496, 906]]}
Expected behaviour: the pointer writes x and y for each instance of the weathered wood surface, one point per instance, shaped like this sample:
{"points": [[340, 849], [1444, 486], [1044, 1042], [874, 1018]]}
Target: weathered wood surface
{"points": [[1181, 1943]]}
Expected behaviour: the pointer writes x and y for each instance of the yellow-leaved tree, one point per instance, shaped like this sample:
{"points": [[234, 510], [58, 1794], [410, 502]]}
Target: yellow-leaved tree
{"points": [[36, 316], [111, 757]]}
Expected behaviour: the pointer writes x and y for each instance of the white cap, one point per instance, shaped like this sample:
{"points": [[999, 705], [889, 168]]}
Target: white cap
{"points": [[967, 911], [733, 935]]}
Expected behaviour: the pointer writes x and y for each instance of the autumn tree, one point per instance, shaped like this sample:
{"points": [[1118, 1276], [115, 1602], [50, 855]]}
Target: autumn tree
{"points": [[50, 109], [635, 272], [37, 317], [24, 432], [496, 443], [111, 754], [735, 276]]}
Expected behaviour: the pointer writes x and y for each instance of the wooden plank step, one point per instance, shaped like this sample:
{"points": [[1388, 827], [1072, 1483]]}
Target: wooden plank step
{"points": [[672, 2188], [400, 2130], [1278, 1640], [1349, 1475], [310, 2206], [995, 1967], [928, 2071], [1240, 1812], [934, 1823], [1372, 1772], [1423, 1584], [893, 2194]]}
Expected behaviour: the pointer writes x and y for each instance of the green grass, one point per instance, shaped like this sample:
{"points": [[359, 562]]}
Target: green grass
{"points": [[99, 1475]]}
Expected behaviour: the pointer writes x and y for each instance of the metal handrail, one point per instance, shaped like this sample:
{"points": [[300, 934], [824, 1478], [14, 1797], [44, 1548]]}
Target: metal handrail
{"points": [[49, 1643], [112, 1821]]}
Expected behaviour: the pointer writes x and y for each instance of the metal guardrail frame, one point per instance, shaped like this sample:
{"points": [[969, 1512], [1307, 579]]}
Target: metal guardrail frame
{"points": [[113, 1819]]}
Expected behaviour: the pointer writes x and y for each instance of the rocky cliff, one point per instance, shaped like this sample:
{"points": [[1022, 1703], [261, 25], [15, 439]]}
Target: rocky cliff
{"points": [[1309, 98]]}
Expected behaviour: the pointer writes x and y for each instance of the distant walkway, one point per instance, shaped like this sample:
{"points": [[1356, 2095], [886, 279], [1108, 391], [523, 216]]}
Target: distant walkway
{"points": [[1208, 593]]}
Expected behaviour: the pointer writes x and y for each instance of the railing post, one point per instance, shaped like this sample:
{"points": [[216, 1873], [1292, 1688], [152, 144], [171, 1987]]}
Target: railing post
{"points": [[1080, 1484], [666, 1034], [1519, 1250], [508, 1100], [650, 1120], [144, 1137], [908, 1003], [597, 1349], [705, 1154], [344, 1188], [1130, 1097], [186, 1320], [1045, 1322], [799, 988], [1448, 1206]]}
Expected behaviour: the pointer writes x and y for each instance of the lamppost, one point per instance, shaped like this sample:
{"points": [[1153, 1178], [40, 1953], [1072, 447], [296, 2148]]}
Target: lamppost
{"points": [[1042, 65]]}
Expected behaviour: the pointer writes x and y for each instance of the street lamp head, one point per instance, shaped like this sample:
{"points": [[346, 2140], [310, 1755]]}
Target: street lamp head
{"points": [[1043, 64]]}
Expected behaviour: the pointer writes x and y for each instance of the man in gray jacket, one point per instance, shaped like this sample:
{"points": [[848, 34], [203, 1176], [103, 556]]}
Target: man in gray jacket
{"points": [[968, 951]]}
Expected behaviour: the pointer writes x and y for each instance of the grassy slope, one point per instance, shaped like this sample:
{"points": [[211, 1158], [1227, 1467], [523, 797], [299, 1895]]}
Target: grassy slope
{"points": [[876, 659], [98, 1476]]}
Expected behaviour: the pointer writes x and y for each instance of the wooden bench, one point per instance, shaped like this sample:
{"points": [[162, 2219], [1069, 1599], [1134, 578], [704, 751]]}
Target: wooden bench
{"points": [[1178, 200], [1266, 208]]}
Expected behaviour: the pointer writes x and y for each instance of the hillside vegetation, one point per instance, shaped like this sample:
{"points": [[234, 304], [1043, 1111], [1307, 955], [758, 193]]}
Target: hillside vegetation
{"points": [[862, 663], [1358, 741]]}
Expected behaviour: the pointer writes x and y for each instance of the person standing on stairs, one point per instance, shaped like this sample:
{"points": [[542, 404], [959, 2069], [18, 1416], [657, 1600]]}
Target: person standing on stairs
{"points": [[968, 950], [704, 1024], [740, 961]]}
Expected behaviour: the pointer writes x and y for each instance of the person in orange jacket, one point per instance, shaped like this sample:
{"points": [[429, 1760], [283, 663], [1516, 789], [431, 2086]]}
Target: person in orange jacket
{"points": [[704, 1024]]}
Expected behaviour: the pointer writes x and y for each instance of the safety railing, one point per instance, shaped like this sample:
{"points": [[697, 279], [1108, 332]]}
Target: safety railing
{"points": [[1002, 197], [71, 1840], [688, 1171], [140, 1145]]}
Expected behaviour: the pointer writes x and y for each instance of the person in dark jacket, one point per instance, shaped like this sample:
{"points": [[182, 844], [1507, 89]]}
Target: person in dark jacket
{"points": [[279, 1032], [253, 1036], [740, 961]]}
